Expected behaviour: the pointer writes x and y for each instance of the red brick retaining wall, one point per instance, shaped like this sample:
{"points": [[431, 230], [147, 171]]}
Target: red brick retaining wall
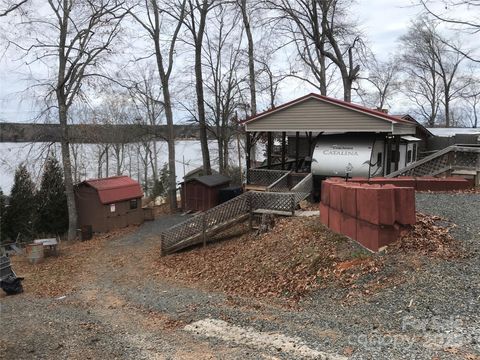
{"points": [[371, 214]]}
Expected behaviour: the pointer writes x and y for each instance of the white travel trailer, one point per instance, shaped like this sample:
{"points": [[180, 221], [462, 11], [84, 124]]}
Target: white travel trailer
{"points": [[360, 154]]}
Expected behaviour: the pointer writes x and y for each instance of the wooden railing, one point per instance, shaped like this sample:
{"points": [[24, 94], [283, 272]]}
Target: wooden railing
{"points": [[198, 228], [264, 177], [455, 157], [303, 189], [281, 184], [201, 228]]}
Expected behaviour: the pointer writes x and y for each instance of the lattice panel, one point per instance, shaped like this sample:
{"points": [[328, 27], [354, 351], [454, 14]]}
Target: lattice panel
{"points": [[467, 159], [182, 231], [264, 177], [219, 217], [273, 201], [227, 211], [455, 156], [281, 185]]}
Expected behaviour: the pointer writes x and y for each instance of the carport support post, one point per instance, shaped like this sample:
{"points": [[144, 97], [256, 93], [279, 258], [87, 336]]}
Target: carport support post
{"points": [[269, 150], [284, 135], [247, 154], [297, 149], [388, 155], [397, 151]]}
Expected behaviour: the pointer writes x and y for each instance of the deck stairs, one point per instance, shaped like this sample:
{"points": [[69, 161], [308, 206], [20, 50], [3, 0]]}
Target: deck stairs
{"points": [[453, 160], [201, 228]]}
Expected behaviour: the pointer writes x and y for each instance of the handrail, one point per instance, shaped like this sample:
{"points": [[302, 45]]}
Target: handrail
{"points": [[279, 180], [438, 154]]}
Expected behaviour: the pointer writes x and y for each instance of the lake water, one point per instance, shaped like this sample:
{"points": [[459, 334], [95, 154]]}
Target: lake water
{"points": [[187, 152]]}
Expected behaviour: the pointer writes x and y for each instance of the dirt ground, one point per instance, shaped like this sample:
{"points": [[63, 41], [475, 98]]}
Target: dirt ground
{"points": [[114, 297]]}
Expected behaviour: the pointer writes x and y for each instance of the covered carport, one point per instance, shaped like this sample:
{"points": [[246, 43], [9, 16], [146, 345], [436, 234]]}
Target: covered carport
{"points": [[299, 124]]}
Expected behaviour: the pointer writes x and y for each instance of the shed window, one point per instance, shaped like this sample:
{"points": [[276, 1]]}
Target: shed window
{"points": [[133, 204]]}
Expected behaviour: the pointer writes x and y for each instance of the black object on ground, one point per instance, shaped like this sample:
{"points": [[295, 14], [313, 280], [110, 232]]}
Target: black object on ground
{"points": [[9, 282]]}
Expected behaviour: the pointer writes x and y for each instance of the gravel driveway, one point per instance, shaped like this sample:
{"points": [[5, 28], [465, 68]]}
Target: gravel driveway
{"points": [[121, 313]]}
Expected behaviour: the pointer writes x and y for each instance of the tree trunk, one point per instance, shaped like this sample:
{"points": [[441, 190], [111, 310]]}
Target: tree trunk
{"points": [[447, 112], [107, 161], [172, 177], [251, 58], [67, 171], [167, 104], [220, 155], [347, 89], [201, 104]]}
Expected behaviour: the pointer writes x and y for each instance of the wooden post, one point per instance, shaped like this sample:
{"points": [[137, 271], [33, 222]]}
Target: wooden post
{"points": [[297, 149], [162, 238], [388, 155], [310, 142], [397, 151], [269, 150], [204, 230], [250, 211], [284, 135], [248, 146], [292, 199]]}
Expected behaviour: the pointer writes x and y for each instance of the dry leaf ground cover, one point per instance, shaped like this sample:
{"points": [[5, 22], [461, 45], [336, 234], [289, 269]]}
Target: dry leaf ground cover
{"points": [[58, 275], [300, 255]]}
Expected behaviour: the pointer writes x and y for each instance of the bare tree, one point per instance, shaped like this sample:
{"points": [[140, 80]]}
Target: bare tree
{"points": [[384, 78], [157, 13], [71, 40], [147, 96], [7, 7], [433, 70], [268, 80], [472, 98], [320, 31], [245, 10], [223, 78], [195, 21], [469, 23]]}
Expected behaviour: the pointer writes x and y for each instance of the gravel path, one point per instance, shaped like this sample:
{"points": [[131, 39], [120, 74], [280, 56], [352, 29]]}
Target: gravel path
{"points": [[121, 313]]}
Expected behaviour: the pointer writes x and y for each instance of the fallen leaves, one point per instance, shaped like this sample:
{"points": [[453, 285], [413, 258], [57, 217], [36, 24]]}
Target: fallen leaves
{"points": [[430, 236], [300, 255], [56, 276]]}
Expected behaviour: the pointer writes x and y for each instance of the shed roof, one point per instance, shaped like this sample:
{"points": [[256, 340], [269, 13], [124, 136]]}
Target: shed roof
{"points": [[314, 112], [211, 180], [115, 188]]}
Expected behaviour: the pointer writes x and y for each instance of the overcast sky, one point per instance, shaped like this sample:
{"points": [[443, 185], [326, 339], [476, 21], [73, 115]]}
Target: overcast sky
{"points": [[383, 22]]}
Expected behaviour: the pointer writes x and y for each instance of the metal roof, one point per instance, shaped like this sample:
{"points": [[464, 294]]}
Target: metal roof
{"points": [[116, 188], [377, 113], [318, 113], [212, 180], [450, 132]]}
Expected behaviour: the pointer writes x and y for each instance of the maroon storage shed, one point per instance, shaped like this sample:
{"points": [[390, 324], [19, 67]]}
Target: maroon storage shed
{"points": [[109, 203], [201, 193]]}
